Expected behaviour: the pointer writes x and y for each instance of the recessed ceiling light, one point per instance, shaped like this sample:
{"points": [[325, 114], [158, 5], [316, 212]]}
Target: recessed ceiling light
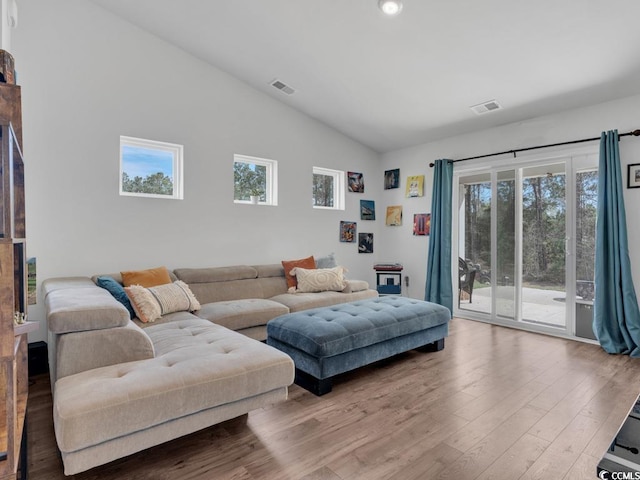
{"points": [[390, 7]]}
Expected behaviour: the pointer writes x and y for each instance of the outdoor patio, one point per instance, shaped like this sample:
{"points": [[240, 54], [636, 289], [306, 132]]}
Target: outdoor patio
{"points": [[540, 306]]}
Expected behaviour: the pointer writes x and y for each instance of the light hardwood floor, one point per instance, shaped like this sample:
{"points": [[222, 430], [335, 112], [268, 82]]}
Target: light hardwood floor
{"points": [[496, 403]]}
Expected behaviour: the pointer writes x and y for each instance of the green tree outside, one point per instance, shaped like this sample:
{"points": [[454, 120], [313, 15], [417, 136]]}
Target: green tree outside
{"points": [[156, 184], [249, 180]]}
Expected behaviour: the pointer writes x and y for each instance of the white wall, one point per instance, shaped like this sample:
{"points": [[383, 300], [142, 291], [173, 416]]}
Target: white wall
{"points": [[87, 78], [397, 243]]}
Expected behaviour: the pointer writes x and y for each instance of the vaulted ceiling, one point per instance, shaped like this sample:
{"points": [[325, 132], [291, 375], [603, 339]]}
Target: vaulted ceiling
{"points": [[393, 82]]}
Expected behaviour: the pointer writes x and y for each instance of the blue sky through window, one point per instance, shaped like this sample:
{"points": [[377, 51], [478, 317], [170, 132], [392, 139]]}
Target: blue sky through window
{"points": [[141, 161]]}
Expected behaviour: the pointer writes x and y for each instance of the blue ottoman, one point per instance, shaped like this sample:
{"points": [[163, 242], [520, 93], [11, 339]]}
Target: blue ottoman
{"points": [[327, 341]]}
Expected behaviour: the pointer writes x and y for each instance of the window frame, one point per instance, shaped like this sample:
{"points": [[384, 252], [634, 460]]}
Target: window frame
{"points": [[339, 180], [177, 154], [271, 180]]}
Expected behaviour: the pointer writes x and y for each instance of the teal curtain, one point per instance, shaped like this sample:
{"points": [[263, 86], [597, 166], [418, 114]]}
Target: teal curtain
{"points": [[439, 284], [616, 318]]}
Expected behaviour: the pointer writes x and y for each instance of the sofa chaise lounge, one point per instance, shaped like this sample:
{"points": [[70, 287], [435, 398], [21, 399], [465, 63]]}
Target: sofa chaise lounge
{"points": [[120, 386]]}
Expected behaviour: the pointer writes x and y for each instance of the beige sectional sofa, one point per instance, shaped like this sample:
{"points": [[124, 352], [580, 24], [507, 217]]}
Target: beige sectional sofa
{"points": [[121, 386]]}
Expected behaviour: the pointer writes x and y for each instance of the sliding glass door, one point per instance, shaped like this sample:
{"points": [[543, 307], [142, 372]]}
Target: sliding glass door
{"points": [[526, 237], [544, 238]]}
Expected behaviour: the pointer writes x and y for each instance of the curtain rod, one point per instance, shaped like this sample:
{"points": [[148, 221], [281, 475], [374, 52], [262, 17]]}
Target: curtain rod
{"points": [[635, 133]]}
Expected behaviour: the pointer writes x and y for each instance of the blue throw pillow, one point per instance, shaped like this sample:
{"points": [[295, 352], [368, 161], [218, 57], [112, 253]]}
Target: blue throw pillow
{"points": [[328, 261], [117, 290]]}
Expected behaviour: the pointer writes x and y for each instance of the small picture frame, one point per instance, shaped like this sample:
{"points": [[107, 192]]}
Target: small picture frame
{"points": [[415, 186], [355, 182], [633, 176], [365, 243], [421, 224], [392, 179], [348, 231], [367, 210], [394, 216]]}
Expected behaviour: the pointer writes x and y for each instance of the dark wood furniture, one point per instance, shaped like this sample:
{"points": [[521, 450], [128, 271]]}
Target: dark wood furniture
{"points": [[13, 286]]}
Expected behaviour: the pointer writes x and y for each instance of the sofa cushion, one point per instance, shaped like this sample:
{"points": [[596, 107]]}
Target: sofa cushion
{"points": [[151, 303], [304, 301], [355, 286], [146, 278], [289, 265], [241, 314], [117, 290], [216, 284], [319, 279], [215, 274], [82, 351], [198, 366], [269, 270], [170, 317], [77, 304]]}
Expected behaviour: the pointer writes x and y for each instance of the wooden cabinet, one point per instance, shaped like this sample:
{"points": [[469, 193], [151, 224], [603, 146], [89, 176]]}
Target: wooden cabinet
{"points": [[13, 284]]}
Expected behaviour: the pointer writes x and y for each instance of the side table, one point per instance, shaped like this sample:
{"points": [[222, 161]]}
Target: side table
{"points": [[388, 278]]}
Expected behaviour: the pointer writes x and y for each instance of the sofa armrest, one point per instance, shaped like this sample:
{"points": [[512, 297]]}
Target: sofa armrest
{"points": [[356, 286], [76, 304], [80, 351]]}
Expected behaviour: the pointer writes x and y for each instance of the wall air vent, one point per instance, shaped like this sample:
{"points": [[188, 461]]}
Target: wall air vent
{"points": [[283, 87], [486, 107]]}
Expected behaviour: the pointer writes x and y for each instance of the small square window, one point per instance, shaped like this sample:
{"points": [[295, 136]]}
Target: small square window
{"points": [[150, 169], [255, 180], [328, 188]]}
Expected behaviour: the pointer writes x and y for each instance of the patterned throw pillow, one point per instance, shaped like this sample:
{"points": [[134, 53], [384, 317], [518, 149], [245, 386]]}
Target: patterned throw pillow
{"points": [[320, 279], [289, 265], [151, 303]]}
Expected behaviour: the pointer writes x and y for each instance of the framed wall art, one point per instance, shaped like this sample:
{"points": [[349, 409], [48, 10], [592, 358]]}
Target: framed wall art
{"points": [[348, 232], [415, 186], [394, 216], [355, 182], [421, 224], [365, 243], [392, 179], [367, 210], [633, 176]]}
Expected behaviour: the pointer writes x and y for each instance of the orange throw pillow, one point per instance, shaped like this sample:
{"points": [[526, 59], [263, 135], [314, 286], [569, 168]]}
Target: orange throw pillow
{"points": [[309, 263], [146, 278]]}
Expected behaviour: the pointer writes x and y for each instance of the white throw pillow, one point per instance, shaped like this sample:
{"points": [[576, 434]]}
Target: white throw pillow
{"points": [[153, 302], [320, 279]]}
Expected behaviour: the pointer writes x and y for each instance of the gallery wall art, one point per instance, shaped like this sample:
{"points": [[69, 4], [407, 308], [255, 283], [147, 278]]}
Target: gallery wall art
{"points": [[355, 182], [367, 210], [421, 224], [394, 216], [415, 186], [365, 243], [348, 232], [392, 179]]}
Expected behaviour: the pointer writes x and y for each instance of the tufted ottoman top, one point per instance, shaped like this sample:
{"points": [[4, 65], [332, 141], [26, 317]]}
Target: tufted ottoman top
{"points": [[328, 331], [198, 366]]}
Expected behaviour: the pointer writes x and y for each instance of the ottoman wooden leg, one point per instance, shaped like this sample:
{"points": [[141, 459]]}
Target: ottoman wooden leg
{"points": [[433, 347], [317, 386]]}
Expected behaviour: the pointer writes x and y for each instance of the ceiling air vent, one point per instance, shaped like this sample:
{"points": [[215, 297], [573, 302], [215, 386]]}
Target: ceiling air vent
{"points": [[283, 87], [486, 107]]}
